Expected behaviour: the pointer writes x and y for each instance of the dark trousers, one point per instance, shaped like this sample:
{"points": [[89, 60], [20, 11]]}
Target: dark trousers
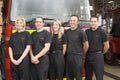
{"points": [[2, 57], [74, 66], [20, 72], [56, 69], [40, 71], [94, 63]]}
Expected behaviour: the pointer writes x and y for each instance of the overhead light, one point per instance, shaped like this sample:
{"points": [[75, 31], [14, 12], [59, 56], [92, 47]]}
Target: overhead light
{"points": [[111, 1]]}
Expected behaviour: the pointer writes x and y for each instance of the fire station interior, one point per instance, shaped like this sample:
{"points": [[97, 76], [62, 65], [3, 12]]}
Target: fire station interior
{"points": [[109, 13]]}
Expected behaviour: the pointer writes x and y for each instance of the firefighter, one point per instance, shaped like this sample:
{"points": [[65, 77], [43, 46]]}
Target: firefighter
{"points": [[77, 44], [2, 56], [57, 52], [40, 47], [98, 46], [19, 46]]}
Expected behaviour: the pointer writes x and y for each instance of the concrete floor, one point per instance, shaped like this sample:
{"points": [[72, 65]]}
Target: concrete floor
{"points": [[111, 73], [114, 70]]}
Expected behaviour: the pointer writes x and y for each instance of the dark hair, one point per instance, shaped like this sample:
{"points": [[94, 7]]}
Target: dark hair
{"points": [[75, 16], [94, 17], [41, 18]]}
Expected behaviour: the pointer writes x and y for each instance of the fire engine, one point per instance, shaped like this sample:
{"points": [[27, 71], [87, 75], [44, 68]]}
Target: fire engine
{"points": [[113, 55], [48, 9], [110, 10]]}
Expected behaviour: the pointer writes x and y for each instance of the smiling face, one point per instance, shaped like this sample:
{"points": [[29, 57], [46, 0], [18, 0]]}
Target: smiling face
{"points": [[20, 24], [94, 23], [55, 26], [73, 22], [39, 23]]}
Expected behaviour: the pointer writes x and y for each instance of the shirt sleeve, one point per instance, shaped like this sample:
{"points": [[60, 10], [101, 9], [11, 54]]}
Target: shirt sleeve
{"points": [[48, 37], [64, 40], [28, 39], [10, 42], [104, 35], [84, 36]]}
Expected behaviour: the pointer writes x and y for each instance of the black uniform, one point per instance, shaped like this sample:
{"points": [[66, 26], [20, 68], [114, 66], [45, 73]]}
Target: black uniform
{"points": [[18, 42], [56, 69], [40, 70], [75, 40], [2, 57], [95, 57]]}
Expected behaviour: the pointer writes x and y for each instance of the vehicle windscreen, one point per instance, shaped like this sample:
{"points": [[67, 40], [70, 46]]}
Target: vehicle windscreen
{"points": [[49, 9]]}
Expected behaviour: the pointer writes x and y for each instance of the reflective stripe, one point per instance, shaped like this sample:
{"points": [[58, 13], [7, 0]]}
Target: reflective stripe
{"points": [[30, 31]]}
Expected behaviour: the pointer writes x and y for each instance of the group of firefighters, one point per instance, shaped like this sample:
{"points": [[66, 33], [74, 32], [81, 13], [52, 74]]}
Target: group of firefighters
{"points": [[41, 54]]}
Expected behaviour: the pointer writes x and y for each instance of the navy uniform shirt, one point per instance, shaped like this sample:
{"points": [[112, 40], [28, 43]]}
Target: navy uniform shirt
{"points": [[75, 40], [18, 42], [39, 39], [96, 39]]}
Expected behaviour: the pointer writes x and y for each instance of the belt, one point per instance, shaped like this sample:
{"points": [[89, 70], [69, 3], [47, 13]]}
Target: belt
{"points": [[95, 52], [99, 52], [56, 51]]}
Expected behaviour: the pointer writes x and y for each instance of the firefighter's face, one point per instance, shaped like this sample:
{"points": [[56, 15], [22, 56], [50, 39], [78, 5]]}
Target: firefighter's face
{"points": [[56, 26], [73, 22], [39, 23], [19, 24], [94, 23]]}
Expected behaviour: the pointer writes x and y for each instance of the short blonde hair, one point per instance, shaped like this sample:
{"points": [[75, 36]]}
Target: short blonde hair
{"points": [[60, 28], [23, 20]]}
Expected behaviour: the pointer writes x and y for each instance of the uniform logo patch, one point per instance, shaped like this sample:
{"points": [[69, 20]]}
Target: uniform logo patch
{"points": [[22, 38], [97, 36], [59, 40], [42, 38], [76, 36]]}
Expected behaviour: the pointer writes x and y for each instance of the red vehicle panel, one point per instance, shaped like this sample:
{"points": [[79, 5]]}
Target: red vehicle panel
{"points": [[49, 10]]}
